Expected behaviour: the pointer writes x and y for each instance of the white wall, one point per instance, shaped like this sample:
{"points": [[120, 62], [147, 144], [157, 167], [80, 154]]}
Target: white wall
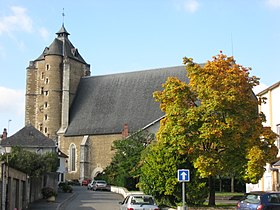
{"points": [[271, 109]]}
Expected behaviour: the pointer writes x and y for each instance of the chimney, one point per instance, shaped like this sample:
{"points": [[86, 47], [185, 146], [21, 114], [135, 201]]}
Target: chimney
{"points": [[4, 135], [125, 131]]}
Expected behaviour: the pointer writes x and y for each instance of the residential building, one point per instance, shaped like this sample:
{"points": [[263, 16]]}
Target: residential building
{"points": [[271, 108]]}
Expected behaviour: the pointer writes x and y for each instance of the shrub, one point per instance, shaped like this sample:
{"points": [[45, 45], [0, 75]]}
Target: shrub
{"points": [[66, 188], [48, 192]]}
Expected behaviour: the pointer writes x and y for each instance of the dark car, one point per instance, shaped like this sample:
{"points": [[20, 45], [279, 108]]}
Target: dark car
{"points": [[260, 200]]}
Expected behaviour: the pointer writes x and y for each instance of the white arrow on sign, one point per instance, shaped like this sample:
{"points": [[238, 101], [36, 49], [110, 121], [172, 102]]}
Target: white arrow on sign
{"points": [[184, 174]]}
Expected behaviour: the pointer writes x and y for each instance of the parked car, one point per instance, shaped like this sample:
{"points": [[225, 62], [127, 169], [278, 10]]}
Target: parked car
{"points": [[85, 182], [99, 185], [260, 200], [73, 182], [89, 186], [139, 202]]}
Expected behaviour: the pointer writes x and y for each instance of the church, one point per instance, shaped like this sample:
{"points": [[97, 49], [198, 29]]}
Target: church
{"points": [[84, 113]]}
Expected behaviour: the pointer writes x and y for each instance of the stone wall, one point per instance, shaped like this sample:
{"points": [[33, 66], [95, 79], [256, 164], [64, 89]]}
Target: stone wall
{"points": [[98, 155], [49, 95]]}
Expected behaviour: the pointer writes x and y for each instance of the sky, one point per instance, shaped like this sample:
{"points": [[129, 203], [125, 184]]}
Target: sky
{"points": [[132, 35]]}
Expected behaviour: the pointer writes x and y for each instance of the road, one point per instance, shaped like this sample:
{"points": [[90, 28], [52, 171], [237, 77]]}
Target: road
{"points": [[93, 200]]}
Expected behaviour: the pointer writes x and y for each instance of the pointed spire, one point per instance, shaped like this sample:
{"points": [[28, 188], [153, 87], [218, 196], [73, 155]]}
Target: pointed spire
{"points": [[63, 14], [62, 32]]}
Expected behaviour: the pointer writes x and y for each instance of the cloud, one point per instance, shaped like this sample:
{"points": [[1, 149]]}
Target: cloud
{"points": [[12, 101], [274, 4], [44, 33], [191, 5], [17, 21]]}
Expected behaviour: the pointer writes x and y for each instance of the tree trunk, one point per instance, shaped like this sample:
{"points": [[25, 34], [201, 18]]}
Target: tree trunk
{"points": [[220, 179], [232, 184], [211, 201]]}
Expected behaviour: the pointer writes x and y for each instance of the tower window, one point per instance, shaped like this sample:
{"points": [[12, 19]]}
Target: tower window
{"points": [[47, 81], [42, 75], [46, 104], [46, 117], [48, 67], [46, 93], [46, 129], [41, 127], [72, 162], [42, 90]]}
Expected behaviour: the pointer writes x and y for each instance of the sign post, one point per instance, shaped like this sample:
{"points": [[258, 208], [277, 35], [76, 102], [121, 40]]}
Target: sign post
{"points": [[183, 176]]}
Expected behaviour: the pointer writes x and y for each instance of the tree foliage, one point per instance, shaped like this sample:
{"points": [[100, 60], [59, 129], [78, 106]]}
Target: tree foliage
{"points": [[124, 169], [159, 176], [162, 160], [226, 128], [31, 163], [213, 122]]}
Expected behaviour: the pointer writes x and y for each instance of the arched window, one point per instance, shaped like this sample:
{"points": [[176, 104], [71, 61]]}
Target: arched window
{"points": [[72, 159]]}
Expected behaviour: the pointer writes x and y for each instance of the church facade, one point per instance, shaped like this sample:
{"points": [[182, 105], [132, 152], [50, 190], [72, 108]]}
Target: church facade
{"points": [[85, 114]]}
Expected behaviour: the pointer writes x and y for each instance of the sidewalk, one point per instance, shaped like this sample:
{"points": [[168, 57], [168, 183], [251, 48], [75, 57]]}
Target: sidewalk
{"points": [[60, 200]]}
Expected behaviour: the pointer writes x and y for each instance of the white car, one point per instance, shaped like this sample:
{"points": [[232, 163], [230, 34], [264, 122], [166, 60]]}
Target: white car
{"points": [[89, 186], [99, 185], [139, 202]]}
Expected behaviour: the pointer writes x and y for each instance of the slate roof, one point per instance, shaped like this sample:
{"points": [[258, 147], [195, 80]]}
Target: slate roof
{"points": [[103, 104], [62, 46], [28, 136]]}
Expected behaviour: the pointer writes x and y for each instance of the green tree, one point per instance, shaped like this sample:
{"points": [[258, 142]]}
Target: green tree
{"points": [[124, 169], [213, 121], [30, 162], [159, 176]]}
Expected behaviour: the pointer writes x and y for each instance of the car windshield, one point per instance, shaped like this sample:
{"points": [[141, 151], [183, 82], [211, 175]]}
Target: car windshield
{"points": [[100, 182], [142, 200], [274, 198], [252, 198]]}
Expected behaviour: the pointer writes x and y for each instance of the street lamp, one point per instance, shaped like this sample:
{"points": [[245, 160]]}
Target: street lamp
{"points": [[6, 203]]}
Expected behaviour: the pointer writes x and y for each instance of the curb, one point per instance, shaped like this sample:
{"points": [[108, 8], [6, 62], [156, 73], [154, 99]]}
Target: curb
{"points": [[60, 205]]}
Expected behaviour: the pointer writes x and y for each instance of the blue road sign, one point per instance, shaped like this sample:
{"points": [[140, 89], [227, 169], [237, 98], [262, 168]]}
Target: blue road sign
{"points": [[183, 175]]}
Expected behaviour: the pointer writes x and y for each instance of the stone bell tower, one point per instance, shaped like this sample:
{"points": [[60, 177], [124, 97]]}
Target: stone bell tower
{"points": [[51, 83]]}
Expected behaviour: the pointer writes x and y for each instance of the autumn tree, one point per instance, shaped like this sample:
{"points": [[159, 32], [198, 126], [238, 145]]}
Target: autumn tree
{"points": [[162, 159], [214, 123]]}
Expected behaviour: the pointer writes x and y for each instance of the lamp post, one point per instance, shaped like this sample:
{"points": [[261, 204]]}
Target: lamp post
{"points": [[3, 176], [6, 203]]}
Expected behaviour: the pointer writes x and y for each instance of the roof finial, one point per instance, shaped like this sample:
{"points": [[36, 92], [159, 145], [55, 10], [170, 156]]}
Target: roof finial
{"points": [[63, 14]]}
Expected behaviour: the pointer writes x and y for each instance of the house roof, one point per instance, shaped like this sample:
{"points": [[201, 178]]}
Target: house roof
{"points": [[103, 104], [277, 163], [61, 154], [62, 46], [277, 84], [28, 136]]}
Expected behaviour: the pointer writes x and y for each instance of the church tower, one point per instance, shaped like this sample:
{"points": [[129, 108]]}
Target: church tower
{"points": [[52, 81]]}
